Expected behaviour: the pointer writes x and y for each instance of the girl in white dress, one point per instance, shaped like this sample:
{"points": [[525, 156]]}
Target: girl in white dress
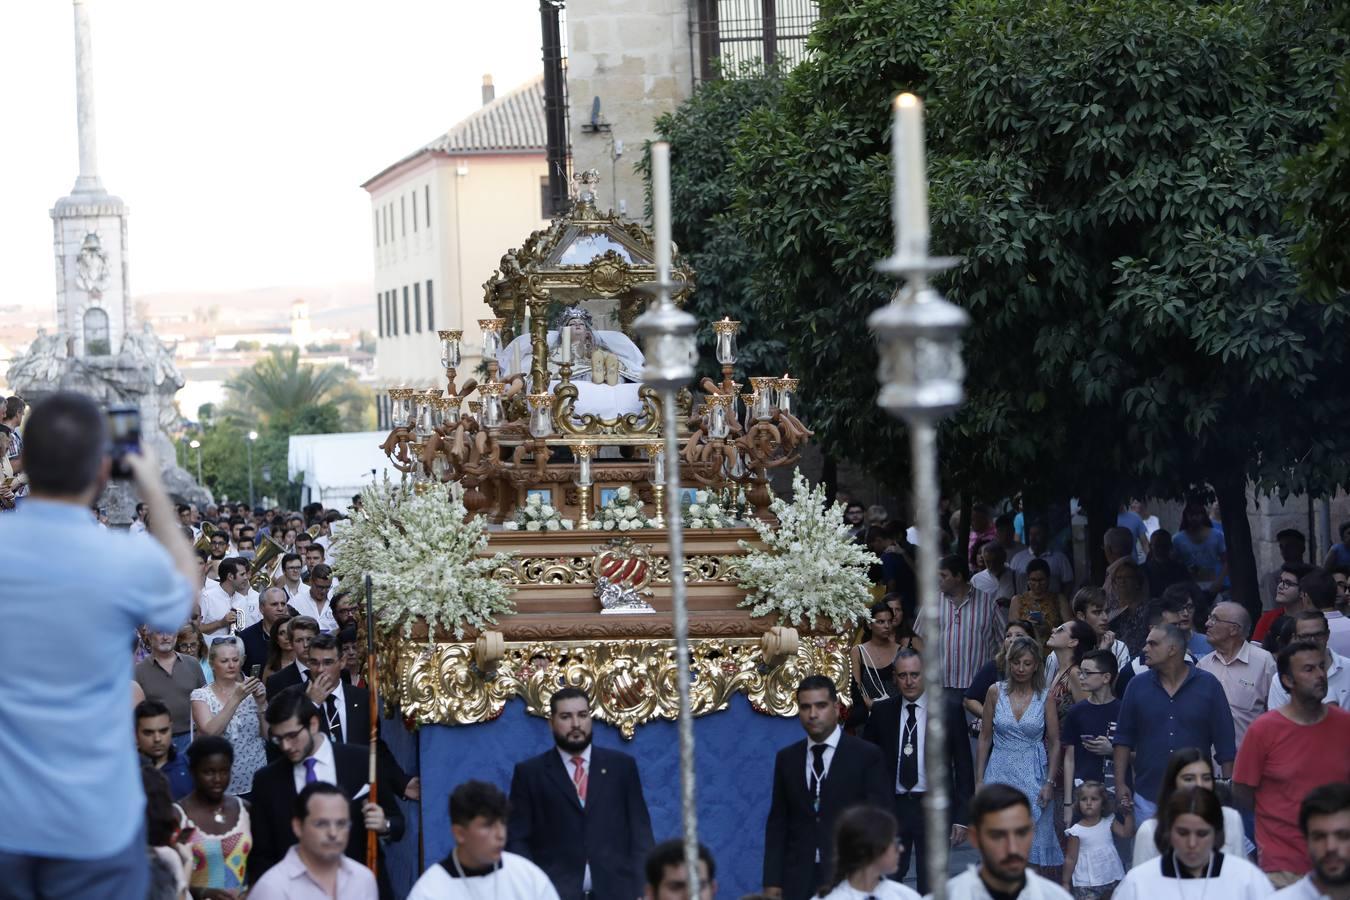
{"points": [[865, 852], [1091, 864]]}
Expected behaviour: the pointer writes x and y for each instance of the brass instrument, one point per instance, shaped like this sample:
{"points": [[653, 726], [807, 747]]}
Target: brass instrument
{"points": [[313, 530], [263, 567], [203, 541]]}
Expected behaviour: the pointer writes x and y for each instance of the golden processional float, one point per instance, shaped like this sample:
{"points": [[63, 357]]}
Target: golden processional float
{"points": [[558, 420]]}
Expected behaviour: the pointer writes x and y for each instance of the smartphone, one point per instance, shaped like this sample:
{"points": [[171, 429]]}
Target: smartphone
{"points": [[124, 434], [255, 671]]}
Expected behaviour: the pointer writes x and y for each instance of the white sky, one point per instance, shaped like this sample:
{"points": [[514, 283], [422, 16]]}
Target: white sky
{"points": [[238, 132]]}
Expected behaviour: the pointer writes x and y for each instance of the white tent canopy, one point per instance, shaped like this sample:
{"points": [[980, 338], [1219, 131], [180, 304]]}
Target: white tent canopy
{"points": [[335, 467]]}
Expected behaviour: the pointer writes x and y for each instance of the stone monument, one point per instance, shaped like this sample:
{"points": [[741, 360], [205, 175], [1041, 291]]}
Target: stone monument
{"points": [[99, 349]]}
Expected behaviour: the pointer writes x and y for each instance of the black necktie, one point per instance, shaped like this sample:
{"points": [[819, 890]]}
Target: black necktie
{"points": [[909, 749], [334, 720], [817, 767]]}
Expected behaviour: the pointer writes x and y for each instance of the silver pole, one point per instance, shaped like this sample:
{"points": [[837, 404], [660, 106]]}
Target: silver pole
{"points": [[671, 352], [923, 453]]}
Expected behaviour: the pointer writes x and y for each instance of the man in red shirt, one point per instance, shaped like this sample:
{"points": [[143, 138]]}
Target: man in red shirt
{"points": [[1287, 753], [1289, 598]]}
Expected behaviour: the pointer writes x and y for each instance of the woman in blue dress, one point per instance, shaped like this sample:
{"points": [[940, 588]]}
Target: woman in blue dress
{"points": [[1019, 744]]}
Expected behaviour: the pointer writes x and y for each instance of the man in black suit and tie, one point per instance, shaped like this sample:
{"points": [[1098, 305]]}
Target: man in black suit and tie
{"points": [[577, 811], [897, 726], [813, 781], [309, 756], [257, 637]]}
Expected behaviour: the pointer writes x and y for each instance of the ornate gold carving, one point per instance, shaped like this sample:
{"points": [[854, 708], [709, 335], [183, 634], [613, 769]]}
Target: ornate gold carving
{"points": [[529, 570], [631, 682]]}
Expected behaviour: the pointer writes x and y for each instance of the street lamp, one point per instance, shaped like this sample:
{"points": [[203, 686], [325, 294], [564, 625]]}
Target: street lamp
{"points": [[921, 374], [197, 445], [671, 352], [252, 436]]}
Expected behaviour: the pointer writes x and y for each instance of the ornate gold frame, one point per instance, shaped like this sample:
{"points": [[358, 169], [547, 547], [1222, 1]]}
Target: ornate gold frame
{"points": [[631, 682]]}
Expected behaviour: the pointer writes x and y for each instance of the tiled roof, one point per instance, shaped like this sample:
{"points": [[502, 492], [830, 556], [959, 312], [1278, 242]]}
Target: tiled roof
{"points": [[512, 123]]}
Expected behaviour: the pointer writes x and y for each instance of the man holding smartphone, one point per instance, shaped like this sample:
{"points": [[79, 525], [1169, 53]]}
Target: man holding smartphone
{"points": [[65, 757]]}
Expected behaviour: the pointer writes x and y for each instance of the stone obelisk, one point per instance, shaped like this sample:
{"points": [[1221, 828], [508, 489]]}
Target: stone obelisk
{"points": [[97, 349]]}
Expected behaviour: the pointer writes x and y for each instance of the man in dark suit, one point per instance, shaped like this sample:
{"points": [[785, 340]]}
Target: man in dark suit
{"points": [[813, 781], [309, 756], [344, 713], [897, 726], [257, 637], [577, 811], [303, 631]]}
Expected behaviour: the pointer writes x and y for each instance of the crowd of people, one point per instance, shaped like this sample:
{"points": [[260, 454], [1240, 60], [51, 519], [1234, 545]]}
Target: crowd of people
{"points": [[1087, 724]]}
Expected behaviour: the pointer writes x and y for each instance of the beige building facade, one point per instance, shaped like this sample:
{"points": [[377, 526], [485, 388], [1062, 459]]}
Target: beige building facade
{"points": [[441, 219]]}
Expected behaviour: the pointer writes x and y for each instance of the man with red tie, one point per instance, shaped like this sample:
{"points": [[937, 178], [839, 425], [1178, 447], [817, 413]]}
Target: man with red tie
{"points": [[577, 811]]}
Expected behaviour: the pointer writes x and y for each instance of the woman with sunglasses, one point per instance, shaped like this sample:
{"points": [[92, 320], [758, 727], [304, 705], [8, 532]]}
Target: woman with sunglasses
{"points": [[232, 707]]}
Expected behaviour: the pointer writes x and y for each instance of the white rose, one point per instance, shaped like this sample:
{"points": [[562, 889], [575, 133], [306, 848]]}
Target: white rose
{"points": [[534, 500], [546, 510], [630, 513], [531, 512], [610, 526], [567, 524], [623, 493], [625, 525], [510, 526], [531, 526], [694, 509], [695, 523], [701, 496]]}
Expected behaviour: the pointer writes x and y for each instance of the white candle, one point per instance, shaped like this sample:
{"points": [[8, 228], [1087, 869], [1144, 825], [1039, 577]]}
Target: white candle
{"points": [[566, 343], [909, 206], [661, 208]]}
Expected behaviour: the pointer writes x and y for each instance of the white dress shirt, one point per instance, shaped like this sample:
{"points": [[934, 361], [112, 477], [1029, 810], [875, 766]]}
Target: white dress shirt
{"points": [[325, 770], [304, 604], [1338, 685], [831, 744], [921, 716]]}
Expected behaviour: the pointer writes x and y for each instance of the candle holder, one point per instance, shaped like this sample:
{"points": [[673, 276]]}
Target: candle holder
{"points": [[491, 392], [725, 331], [451, 351], [584, 504], [400, 409], [583, 453], [719, 414], [492, 344], [787, 393], [748, 408], [541, 415], [763, 405], [450, 407], [656, 453]]}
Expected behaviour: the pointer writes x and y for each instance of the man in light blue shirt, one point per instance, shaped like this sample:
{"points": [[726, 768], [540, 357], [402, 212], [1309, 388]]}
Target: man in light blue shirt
{"points": [[73, 596]]}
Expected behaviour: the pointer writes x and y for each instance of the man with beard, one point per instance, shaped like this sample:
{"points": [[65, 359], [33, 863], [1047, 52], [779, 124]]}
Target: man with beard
{"points": [[577, 811], [1324, 819], [1001, 829]]}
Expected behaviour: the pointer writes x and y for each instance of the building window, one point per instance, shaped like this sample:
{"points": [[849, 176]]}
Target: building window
{"points": [[414, 199], [390, 315], [427, 204], [545, 199], [407, 317], [403, 216], [417, 306], [732, 33], [431, 306], [379, 314], [377, 229], [97, 341]]}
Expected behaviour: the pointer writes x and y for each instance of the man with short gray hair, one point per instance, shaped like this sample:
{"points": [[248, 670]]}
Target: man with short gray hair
{"points": [[1168, 708], [1244, 669]]}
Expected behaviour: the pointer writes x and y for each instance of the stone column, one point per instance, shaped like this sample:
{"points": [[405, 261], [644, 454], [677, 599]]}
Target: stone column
{"points": [[88, 182]]}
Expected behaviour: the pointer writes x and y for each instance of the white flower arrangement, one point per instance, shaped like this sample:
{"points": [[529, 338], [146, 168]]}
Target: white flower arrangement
{"points": [[623, 513], [421, 552], [704, 511], [810, 569], [536, 515]]}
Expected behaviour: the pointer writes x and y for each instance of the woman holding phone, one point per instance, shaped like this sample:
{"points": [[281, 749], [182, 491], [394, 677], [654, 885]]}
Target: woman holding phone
{"points": [[232, 707]]}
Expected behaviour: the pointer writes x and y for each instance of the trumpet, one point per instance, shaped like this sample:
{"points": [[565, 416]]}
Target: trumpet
{"points": [[264, 561]]}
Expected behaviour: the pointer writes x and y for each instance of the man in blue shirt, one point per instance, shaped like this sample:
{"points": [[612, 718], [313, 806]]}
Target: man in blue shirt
{"points": [[1168, 708], [68, 765]]}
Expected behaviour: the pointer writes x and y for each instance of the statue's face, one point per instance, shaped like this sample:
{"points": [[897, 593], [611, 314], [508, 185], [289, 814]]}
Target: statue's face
{"points": [[579, 332]]}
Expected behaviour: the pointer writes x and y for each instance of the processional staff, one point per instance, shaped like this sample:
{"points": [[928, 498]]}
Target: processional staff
{"points": [[372, 839], [921, 374]]}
